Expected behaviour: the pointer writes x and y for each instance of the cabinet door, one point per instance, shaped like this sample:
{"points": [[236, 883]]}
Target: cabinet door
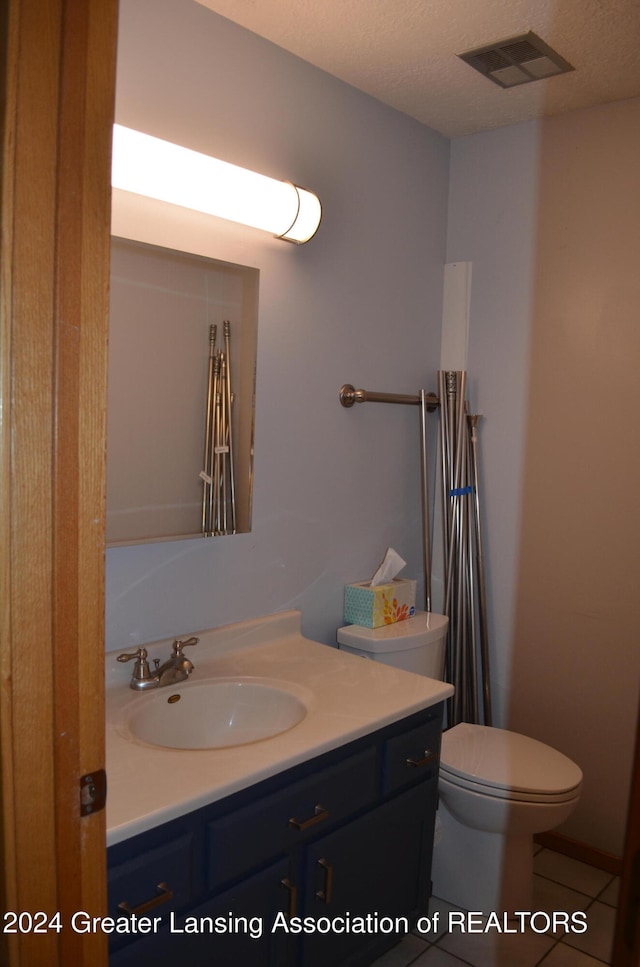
{"points": [[232, 929], [373, 868]]}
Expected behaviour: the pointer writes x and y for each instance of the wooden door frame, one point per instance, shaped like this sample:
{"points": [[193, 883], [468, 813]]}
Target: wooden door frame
{"points": [[626, 947], [57, 113]]}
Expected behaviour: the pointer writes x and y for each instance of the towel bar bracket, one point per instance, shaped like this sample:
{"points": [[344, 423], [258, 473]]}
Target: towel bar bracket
{"points": [[350, 395]]}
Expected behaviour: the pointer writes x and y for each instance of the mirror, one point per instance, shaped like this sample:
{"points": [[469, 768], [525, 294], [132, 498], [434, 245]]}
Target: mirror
{"points": [[181, 394]]}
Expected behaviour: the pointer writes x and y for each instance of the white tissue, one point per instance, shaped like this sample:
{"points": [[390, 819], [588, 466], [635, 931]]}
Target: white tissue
{"points": [[391, 565]]}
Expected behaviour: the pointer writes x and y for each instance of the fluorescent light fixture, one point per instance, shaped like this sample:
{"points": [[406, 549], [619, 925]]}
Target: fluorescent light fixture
{"points": [[158, 169]]}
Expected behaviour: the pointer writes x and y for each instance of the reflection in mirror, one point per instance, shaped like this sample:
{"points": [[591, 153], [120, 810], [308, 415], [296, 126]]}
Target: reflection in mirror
{"points": [[181, 394]]}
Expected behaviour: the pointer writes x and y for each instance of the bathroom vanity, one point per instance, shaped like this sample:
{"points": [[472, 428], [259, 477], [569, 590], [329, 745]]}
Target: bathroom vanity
{"points": [[306, 848]]}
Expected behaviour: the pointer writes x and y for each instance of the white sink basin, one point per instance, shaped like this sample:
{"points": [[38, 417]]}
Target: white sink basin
{"points": [[213, 714]]}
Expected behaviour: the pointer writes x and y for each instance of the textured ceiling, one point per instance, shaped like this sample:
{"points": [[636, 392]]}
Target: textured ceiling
{"points": [[404, 52]]}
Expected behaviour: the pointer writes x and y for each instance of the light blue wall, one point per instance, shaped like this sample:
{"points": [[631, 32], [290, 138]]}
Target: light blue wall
{"points": [[361, 303]]}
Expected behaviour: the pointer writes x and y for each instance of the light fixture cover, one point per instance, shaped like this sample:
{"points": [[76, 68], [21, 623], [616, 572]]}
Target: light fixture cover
{"points": [[168, 172]]}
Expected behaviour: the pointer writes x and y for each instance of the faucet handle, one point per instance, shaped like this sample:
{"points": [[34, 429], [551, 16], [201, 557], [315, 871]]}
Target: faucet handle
{"points": [[140, 654], [141, 669], [178, 645]]}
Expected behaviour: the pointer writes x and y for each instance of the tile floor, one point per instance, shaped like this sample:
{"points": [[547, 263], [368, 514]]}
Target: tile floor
{"points": [[560, 884]]}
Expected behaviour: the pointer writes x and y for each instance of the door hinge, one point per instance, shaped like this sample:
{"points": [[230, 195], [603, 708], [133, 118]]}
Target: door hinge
{"points": [[93, 792]]}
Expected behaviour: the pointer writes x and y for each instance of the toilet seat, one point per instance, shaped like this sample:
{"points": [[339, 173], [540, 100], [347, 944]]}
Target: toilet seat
{"points": [[507, 765]]}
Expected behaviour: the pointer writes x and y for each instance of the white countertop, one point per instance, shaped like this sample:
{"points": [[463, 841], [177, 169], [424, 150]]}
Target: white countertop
{"points": [[347, 697]]}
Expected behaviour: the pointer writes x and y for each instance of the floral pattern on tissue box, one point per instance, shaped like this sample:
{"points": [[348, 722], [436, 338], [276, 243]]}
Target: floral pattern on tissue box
{"points": [[381, 605]]}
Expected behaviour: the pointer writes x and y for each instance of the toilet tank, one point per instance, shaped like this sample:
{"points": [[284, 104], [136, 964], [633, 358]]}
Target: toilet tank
{"points": [[416, 644]]}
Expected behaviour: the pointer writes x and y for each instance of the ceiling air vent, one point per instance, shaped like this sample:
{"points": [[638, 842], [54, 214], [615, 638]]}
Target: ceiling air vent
{"points": [[516, 61]]}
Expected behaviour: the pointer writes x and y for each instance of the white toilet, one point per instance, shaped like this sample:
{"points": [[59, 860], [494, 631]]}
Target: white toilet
{"points": [[496, 788]]}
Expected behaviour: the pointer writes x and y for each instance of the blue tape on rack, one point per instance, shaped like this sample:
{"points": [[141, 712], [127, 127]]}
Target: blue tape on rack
{"points": [[460, 491]]}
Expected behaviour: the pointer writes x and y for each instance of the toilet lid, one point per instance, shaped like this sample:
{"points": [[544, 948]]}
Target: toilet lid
{"points": [[502, 760], [416, 632]]}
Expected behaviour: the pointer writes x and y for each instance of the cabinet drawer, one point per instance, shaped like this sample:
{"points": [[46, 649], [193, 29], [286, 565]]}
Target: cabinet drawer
{"points": [[412, 756], [154, 882], [254, 834], [231, 928]]}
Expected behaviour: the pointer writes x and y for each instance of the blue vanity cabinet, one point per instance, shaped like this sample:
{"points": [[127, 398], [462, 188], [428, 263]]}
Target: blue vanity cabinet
{"points": [[274, 876]]}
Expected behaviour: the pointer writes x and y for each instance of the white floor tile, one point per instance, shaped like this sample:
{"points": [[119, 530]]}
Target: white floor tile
{"points": [[440, 922], [572, 873], [497, 950], [563, 956], [553, 897], [437, 957], [403, 953], [598, 939], [611, 893]]}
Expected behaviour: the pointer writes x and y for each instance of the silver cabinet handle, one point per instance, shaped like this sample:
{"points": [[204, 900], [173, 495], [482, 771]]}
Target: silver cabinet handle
{"points": [[319, 814], [163, 896], [325, 895], [429, 756], [293, 895]]}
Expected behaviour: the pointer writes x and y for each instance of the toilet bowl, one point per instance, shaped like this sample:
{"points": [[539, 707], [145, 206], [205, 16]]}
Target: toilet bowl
{"points": [[496, 788]]}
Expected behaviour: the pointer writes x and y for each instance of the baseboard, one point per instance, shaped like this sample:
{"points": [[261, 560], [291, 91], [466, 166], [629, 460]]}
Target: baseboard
{"points": [[581, 851]]}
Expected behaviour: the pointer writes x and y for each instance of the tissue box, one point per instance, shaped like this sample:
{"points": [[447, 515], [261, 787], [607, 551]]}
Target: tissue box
{"points": [[380, 605]]}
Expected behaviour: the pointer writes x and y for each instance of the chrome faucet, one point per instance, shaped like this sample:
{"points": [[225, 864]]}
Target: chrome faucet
{"points": [[174, 669]]}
